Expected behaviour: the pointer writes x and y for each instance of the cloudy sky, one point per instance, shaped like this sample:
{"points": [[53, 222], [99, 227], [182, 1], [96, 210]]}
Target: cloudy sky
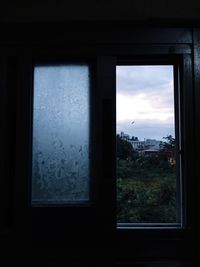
{"points": [[145, 101]]}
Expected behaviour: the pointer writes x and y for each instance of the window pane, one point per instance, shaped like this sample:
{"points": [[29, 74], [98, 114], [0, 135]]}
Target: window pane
{"points": [[146, 159], [60, 157]]}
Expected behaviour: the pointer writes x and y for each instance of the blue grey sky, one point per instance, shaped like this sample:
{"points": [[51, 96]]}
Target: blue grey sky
{"points": [[145, 96]]}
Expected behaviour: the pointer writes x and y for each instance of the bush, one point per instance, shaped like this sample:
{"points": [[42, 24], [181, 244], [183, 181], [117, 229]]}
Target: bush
{"points": [[146, 192]]}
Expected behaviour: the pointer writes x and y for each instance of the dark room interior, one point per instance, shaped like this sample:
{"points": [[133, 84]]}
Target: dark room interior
{"points": [[97, 36]]}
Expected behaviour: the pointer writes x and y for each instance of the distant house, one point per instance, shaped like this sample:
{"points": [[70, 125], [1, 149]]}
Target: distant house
{"points": [[137, 145], [152, 143], [124, 136], [148, 146]]}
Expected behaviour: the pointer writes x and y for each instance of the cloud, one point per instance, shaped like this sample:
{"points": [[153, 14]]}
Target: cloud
{"points": [[134, 79], [143, 106], [145, 95]]}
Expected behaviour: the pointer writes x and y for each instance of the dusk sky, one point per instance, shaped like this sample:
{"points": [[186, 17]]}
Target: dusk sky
{"points": [[145, 101]]}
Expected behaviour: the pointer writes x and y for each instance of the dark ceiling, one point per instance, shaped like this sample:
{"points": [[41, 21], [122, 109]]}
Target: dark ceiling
{"points": [[100, 10]]}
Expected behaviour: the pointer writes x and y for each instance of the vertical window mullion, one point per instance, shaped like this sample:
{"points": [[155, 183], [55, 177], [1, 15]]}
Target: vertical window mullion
{"points": [[107, 114], [178, 148], [187, 140]]}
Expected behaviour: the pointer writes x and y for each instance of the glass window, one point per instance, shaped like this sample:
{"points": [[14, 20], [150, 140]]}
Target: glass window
{"points": [[148, 170], [60, 147]]}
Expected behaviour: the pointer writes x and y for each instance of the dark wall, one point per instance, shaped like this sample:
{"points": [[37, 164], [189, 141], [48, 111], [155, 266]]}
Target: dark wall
{"points": [[62, 10]]}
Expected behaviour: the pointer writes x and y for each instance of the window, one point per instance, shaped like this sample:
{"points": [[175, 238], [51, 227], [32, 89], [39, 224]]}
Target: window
{"points": [[41, 209], [60, 149], [148, 165]]}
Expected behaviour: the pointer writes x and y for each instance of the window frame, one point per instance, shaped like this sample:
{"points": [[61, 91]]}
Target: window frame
{"points": [[176, 237], [65, 215], [180, 191], [103, 44]]}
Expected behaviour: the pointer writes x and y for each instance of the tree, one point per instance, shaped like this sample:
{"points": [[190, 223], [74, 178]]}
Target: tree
{"points": [[134, 138], [168, 147], [124, 149]]}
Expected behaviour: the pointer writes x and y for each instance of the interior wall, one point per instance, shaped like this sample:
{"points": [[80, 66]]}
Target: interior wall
{"points": [[91, 10]]}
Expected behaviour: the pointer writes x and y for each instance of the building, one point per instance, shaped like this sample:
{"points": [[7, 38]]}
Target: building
{"points": [[124, 136], [152, 143], [137, 145], [146, 145]]}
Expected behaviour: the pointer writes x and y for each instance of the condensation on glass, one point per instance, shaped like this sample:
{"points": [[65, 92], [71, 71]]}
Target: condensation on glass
{"points": [[60, 146], [148, 169]]}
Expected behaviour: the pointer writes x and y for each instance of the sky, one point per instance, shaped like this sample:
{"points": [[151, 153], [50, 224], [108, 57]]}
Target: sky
{"points": [[145, 101]]}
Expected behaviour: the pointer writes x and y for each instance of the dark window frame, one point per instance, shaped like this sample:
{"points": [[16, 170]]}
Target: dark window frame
{"points": [[103, 45], [177, 237], [180, 207]]}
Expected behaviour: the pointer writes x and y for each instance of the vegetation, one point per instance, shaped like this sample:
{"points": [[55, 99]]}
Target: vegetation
{"points": [[146, 185]]}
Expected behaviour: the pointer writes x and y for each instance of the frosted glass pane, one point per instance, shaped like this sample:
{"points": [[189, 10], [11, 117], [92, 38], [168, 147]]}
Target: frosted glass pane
{"points": [[60, 157]]}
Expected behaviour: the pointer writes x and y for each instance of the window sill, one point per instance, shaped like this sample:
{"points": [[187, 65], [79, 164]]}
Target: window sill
{"points": [[149, 226]]}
